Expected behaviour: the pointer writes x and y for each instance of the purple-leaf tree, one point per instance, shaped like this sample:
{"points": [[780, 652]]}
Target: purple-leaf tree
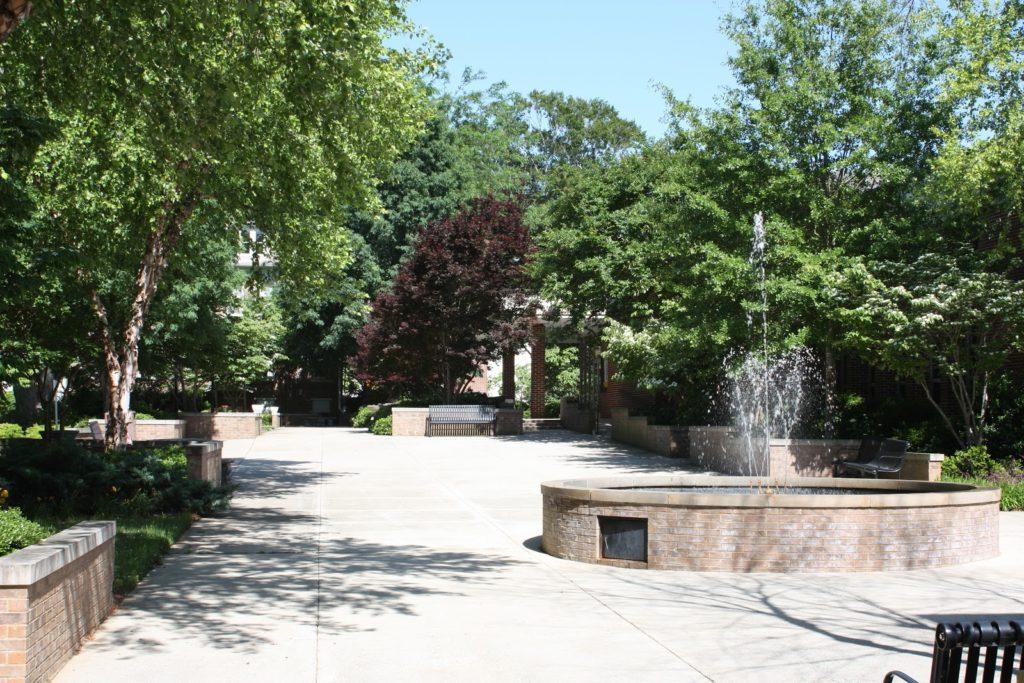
{"points": [[459, 301]]}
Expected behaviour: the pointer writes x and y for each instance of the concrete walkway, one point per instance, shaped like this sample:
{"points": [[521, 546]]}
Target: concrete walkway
{"points": [[360, 558]]}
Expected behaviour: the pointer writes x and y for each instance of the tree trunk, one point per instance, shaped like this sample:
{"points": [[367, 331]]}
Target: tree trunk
{"points": [[46, 391], [945, 418], [12, 13], [121, 352]]}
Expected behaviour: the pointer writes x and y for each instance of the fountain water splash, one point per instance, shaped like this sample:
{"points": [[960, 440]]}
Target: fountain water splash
{"points": [[766, 391]]}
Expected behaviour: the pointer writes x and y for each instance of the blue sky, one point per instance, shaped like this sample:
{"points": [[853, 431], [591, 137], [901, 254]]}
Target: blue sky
{"points": [[612, 49]]}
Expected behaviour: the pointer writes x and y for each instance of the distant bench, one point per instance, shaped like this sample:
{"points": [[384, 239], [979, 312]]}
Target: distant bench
{"points": [[452, 420]]}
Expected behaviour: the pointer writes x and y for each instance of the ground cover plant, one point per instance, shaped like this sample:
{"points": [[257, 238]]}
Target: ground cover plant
{"points": [[147, 492], [142, 541], [976, 466]]}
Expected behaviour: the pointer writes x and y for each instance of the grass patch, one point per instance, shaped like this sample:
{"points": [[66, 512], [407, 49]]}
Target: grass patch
{"points": [[141, 543], [1013, 491]]}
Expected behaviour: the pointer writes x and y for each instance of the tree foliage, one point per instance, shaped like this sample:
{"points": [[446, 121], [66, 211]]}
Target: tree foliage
{"points": [[937, 314], [456, 303], [176, 119]]}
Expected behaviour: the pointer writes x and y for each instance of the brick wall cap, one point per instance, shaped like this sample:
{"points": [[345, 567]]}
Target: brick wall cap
{"points": [[410, 410], [34, 563], [836, 443], [176, 423], [928, 457], [899, 493], [191, 444], [246, 416]]}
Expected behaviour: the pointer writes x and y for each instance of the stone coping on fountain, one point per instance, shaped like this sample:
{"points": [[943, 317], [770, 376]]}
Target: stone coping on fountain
{"points": [[905, 525], [893, 493]]}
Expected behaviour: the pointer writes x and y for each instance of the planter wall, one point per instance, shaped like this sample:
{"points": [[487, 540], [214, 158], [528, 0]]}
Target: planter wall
{"points": [[671, 441], [151, 430], [222, 425], [721, 449], [576, 419], [53, 595], [204, 457], [509, 422], [409, 421]]}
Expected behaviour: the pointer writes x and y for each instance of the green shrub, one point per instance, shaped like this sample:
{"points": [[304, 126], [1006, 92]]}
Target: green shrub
{"points": [[1013, 496], [62, 478], [9, 430], [970, 462], [16, 532], [6, 403], [364, 416], [143, 416], [382, 427], [1013, 491], [268, 421]]}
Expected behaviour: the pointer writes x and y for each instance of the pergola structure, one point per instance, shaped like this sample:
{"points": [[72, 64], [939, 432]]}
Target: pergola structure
{"points": [[545, 329]]}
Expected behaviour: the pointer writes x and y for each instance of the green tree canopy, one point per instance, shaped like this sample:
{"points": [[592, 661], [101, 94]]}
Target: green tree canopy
{"points": [[175, 119]]}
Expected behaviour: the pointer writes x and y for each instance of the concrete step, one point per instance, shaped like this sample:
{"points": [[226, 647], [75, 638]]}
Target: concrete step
{"points": [[540, 424]]}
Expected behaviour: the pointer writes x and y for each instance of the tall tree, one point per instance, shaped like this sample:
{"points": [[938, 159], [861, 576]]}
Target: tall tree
{"points": [[833, 121], [457, 302], [173, 118]]}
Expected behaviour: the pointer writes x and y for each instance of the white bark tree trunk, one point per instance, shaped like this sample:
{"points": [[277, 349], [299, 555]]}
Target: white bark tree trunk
{"points": [[121, 352]]}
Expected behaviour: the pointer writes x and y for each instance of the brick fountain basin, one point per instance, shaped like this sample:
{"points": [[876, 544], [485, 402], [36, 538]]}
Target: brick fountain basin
{"points": [[745, 524]]}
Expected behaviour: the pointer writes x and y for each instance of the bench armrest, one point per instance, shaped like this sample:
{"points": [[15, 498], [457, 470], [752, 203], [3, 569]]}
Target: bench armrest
{"points": [[893, 675]]}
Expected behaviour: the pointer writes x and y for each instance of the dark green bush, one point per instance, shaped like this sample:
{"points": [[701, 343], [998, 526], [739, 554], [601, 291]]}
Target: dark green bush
{"points": [[62, 478], [970, 462], [364, 416], [16, 532], [382, 426]]}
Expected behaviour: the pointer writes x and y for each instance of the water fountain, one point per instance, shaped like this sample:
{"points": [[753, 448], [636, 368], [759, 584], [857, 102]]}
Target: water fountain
{"points": [[771, 518]]}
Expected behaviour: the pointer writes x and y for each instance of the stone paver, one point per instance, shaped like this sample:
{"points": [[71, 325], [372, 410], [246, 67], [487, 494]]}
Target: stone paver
{"points": [[353, 557]]}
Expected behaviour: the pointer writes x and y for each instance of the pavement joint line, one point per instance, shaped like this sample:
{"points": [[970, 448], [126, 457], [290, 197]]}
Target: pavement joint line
{"points": [[319, 530], [483, 516]]}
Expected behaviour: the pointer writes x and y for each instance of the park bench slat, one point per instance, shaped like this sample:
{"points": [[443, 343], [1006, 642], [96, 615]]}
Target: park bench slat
{"points": [[442, 419], [952, 639]]}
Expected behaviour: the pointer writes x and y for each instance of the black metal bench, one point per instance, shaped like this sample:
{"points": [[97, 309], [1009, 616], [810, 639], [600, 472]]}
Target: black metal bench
{"points": [[875, 456], [1002, 641], [453, 420]]}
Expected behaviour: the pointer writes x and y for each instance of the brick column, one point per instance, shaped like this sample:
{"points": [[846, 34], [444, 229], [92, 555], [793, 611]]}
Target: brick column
{"points": [[508, 375], [537, 389]]}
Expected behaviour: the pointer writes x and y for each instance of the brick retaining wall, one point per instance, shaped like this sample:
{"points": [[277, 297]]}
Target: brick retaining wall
{"points": [[153, 430], [665, 440], [720, 449], [53, 595], [576, 419], [508, 422], [409, 421], [223, 426]]}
